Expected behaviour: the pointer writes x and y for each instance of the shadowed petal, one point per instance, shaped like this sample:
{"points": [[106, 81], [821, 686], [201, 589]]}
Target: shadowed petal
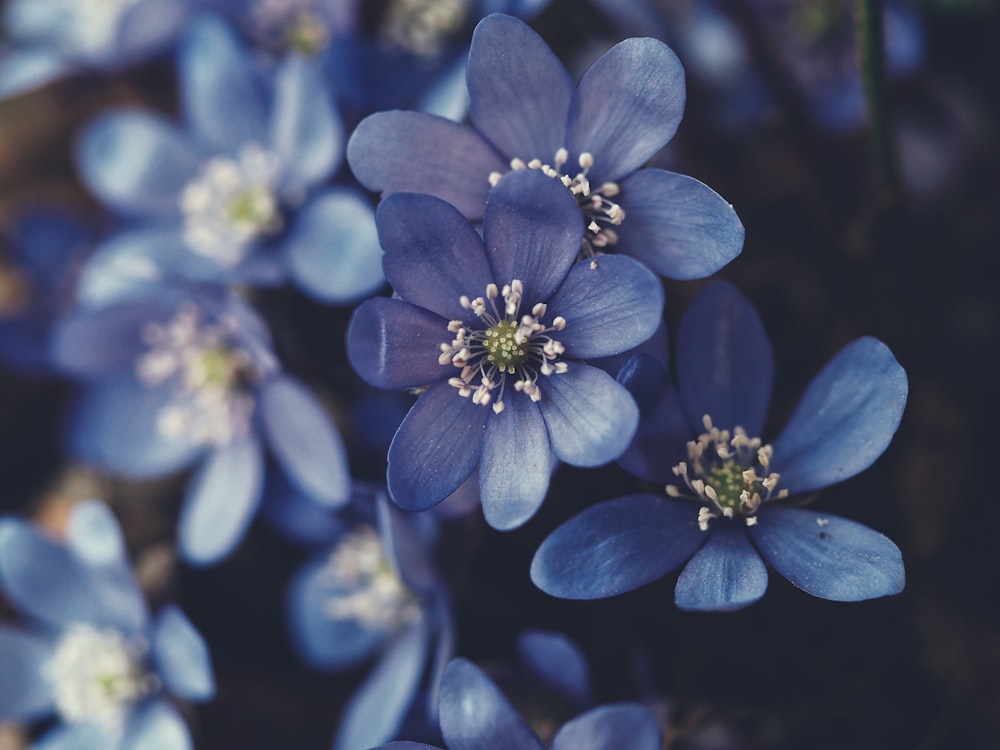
{"points": [[610, 305], [724, 363], [828, 556], [393, 344], [406, 746], [679, 227], [221, 501], [514, 474], [78, 736], [156, 726], [591, 419], [182, 659], [627, 106], [519, 92], [616, 546], [25, 694], [26, 69], [612, 727], [845, 419], [376, 711], [436, 447], [333, 249], [557, 663], [433, 255], [475, 715], [306, 131], [220, 97], [725, 574], [305, 441], [532, 231], [136, 162], [414, 152]]}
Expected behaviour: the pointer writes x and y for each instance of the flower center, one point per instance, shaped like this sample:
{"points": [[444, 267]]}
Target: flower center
{"points": [[422, 27], [290, 25], [211, 376], [370, 591], [720, 472], [231, 203], [600, 213], [96, 675], [520, 347]]}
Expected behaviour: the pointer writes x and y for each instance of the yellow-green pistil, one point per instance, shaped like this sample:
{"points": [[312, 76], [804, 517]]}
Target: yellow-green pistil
{"points": [[503, 348]]}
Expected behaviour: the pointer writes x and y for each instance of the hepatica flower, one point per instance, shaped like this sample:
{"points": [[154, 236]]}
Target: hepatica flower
{"points": [[496, 331], [475, 715], [593, 138], [723, 517], [89, 651], [182, 377], [234, 196]]}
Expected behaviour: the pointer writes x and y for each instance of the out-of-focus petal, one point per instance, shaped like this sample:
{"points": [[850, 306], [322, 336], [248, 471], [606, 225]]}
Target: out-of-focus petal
{"points": [[557, 663], [613, 727], [25, 694], [156, 726], [181, 656]]}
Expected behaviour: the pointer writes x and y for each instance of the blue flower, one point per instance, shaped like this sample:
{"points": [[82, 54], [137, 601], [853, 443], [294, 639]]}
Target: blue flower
{"points": [[88, 650], [721, 518], [495, 329], [374, 593], [594, 138], [230, 197], [49, 38], [182, 377], [475, 715]]}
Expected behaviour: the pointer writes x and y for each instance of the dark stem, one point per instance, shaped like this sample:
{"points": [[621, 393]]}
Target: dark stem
{"points": [[871, 51]]}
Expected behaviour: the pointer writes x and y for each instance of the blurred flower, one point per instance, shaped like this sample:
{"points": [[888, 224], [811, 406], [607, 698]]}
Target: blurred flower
{"points": [[593, 138], [721, 518], [508, 389], [89, 651], [232, 196], [177, 377], [475, 714], [374, 593], [48, 38]]}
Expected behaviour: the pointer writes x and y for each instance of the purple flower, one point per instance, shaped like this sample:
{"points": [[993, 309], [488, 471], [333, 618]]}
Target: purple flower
{"points": [[594, 138], [475, 715], [494, 329], [89, 651], [720, 520]]}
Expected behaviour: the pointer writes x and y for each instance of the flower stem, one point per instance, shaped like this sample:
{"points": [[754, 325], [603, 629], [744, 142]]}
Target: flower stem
{"points": [[871, 48]]}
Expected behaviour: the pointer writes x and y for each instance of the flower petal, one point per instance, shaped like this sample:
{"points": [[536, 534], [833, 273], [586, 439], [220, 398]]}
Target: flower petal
{"points": [[136, 162], [515, 467], [610, 304], [155, 726], [616, 546], [25, 69], [393, 344], [94, 535], [181, 656], [660, 440], [433, 255], [436, 447], [220, 98], [725, 574], [679, 227], [557, 663], [611, 727], [725, 367], [475, 715], [305, 441], [306, 131], [376, 711], [626, 107], [828, 556], [532, 230], [77, 736], [591, 419], [414, 152], [333, 250], [519, 92], [221, 501], [845, 419], [25, 693]]}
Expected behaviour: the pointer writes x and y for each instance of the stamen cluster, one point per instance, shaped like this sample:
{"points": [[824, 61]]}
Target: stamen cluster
{"points": [[422, 27], [510, 345], [210, 373], [290, 25], [599, 211], [372, 592], [720, 472], [231, 203]]}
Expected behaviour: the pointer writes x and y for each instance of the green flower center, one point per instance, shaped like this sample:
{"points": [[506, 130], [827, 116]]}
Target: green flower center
{"points": [[502, 347], [729, 483]]}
